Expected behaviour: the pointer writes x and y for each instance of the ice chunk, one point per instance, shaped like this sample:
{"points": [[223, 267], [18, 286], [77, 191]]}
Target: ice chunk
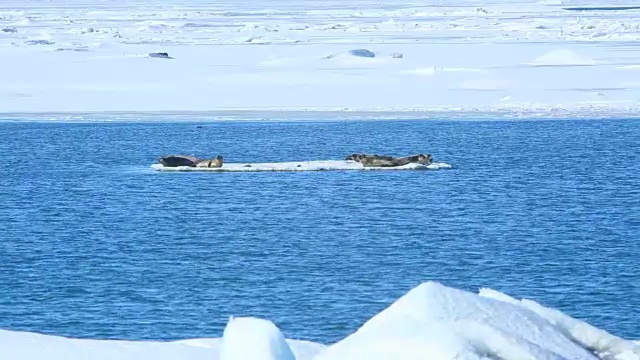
{"points": [[249, 338], [605, 345], [436, 322]]}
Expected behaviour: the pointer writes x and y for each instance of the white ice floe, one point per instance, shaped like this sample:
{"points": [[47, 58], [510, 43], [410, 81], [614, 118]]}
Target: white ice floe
{"points": [[431, 321], [286, 59], [321, 165]]}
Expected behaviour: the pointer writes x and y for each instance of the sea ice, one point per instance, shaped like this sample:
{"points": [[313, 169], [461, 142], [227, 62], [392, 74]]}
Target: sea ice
{"points": [[294, 59]]}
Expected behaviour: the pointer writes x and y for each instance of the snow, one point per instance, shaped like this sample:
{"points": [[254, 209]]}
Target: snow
{"points": [[448, 323], [430, 321], [17, 345], [254, 339], [320, 165], [276, 59]]}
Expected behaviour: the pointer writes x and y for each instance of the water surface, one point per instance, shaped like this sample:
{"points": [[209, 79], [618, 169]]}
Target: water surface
{"points": [[95, 244]]}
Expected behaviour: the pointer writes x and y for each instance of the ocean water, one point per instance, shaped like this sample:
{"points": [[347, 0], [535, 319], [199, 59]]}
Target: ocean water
{"points": [[93, 243]]}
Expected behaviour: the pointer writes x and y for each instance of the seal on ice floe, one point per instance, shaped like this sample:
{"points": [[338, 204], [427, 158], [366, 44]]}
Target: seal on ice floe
{"points": [[212, 163], [190, 161], [390, 161], [179, 160]]}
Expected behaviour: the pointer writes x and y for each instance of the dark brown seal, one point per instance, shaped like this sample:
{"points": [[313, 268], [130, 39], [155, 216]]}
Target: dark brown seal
{"points": [[179, 160]]}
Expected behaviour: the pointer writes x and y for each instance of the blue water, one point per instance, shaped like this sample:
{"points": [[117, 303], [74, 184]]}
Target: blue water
{"points": [[95, 244], [603, 8]]}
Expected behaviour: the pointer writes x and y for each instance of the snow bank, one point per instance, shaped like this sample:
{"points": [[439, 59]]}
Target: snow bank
{"points": [[30, 346], [605, 345], [253, 339], [562, 57], [321, 165], [16, 345], [430, 321], [452, 324]]}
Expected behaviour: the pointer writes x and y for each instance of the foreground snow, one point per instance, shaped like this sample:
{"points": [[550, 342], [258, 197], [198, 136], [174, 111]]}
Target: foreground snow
{"points": [[321, 165], [430, 321], [77, 59]]}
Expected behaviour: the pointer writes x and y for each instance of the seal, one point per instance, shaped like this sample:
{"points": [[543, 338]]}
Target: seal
{"points": [[211, 163], [179, 160], [217, 162], [390, 161], [356, 157]]}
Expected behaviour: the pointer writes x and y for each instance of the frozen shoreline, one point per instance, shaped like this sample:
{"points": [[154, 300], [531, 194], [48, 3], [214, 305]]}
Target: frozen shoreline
{"points": [[320, 115], [67, 60]]}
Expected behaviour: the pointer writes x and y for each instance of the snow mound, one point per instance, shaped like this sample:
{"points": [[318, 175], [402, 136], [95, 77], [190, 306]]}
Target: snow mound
{"points": [[23, 22], [253, 339], [598, 341], [446, 323], [562, 57], [320, 165]]}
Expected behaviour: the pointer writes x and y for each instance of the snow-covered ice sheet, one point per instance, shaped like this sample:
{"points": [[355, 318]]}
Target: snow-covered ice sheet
{"points": [[320, 165], [32, 346], [431, 321], [81, 59]]}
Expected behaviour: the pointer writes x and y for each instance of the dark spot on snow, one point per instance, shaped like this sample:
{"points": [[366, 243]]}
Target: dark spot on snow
{"points": [[362, 53], [39, 42], [603, 8], [162, 55], [78, 49]]}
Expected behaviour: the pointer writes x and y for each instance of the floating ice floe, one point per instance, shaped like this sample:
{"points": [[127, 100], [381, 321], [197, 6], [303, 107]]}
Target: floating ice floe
{"points": [[319, 165]]}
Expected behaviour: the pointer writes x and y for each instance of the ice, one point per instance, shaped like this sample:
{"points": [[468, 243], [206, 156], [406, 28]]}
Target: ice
{"points": [[276, 59], [320, 165], [562, 57], [16, 345], [253, 339], [605, 345], [452, 324], [430, 321]]}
